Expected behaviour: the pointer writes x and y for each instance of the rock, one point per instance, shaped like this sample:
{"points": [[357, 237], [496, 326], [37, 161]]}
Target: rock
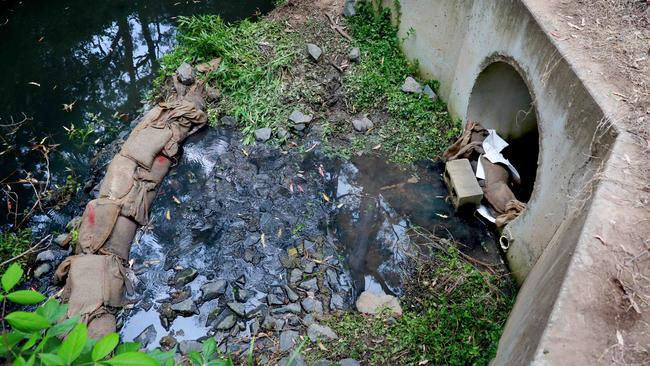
{"points": [[430, 93], [293, 297], [323, 363], [229, 121], [355, 54], [308, 267], [273, 299], [362, 124], [263, 134], [212, 290], [308, 320], [313, 306], [288, 339], [42, 270], [349, 8], [290, 308], [337, 302], [314, 51], [271, 323], [282, 133], [309, 285], [178, 296], [299, 127], [227, 322], [45, 256], [321, 332], [349, 362], [295, 276], [241, 295], [411, 86], [294, 321], [332, 279], [299, 117], [254, 327], [186, 307], [147, 336], [63, 239], [185, 74], [189, 346], [369, 303], [184, 277], [168, 342], [238, 308], [212, 93], [297, 361], [241, 281]]}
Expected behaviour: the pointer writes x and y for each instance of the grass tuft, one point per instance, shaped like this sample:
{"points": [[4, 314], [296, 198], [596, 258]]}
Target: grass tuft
{"points": [[14, 243]]}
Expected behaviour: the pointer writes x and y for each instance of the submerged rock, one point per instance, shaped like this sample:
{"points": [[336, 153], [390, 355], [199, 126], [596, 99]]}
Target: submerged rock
{"points": [[168, 342], [411, 86], [314, 51], [369, 303], [362, 124], [186, 307], [238, 308], [147, 336], [185, 74], [227, 322], [212, 290], [321, 332], [184, 277], [263, 134]]}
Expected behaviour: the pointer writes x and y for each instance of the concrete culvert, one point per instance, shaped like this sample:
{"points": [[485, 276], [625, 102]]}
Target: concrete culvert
{"points": [[501, 100]]}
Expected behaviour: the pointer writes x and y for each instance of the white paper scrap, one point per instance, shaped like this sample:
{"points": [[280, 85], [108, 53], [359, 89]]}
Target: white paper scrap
{"points": [[483, 211], [480, 172], [493, 145]]}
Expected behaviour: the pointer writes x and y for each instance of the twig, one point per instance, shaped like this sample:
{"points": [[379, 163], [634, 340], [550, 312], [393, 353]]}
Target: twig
{"points": [[337, 28], [28, 251]]}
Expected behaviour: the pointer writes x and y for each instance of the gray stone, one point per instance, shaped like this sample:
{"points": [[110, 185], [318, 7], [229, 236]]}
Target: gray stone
{"points": [[263, 134], [147, 336], [297, 361], [369, 303], [308, 266], [290, 308], [227, 322], [294, 321], [212, 290], [185, 307], [308, 320], [299, 127], [42, 270], [313, 306], [288, 339], [273, 299], [45, 256], [309, 285], [238, 308], [184, 277], [411, 86], [355, 54], [185, 74], [314, 51], [168, 342], [189, 346], [321, 332], [241, 295], [349, 362], [362, 124], [332, 279], [323, 363], [271, 323], [337, 302], [212, 93], [430, 93], [292, 295], [295, 276], [282, 133], [228, 121], [349, 8], [299, 117], [62, 239]]}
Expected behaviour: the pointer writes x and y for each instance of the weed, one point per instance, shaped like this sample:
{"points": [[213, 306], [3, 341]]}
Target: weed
{"points": [[14, 243]]}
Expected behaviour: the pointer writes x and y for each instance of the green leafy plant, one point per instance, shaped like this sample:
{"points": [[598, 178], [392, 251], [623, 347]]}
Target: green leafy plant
{"points": [[13, 243]]}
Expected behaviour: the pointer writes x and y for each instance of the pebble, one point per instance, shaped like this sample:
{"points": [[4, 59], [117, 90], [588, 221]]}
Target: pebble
{"points": [[185, 74], [45, 256], [212, 290], [411, 86], [321, 332], [309, 285], [238, 308], [355, 54], [282, 133], [42, 270], [271, 323], [295, 276], [299, 117], [227, 322], [308, 267], [313, 306], [337, 302], [362, 124], [314, 51], [147, 336], [369, 303], [263, 134], [168, 342], [185, 307], [292, 295], [62, 239], [308, 320], [274, 300], [288, 340]]}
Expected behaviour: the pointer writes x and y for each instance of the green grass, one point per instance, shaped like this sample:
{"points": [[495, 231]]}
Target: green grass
{"points": [[418, 128], [255, 55], [453, 315], [14, 243]]}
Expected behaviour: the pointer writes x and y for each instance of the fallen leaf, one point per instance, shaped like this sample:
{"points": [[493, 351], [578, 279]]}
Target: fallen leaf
{"points": [[320, 345], [34, 83], [300, 189], [326, 197], [176, 200], [321, 170], [244, 152], [423, 362], [376, 147], [291, 186], [168, 215], [443, 216], [340, 205], [263, 240]]}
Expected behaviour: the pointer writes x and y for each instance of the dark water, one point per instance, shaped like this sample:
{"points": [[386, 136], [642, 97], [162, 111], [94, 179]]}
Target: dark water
{"points": [[99, 55]]}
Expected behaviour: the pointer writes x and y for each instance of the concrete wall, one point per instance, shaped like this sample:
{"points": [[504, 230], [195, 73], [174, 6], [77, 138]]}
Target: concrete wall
{"points": [[562, 314]]}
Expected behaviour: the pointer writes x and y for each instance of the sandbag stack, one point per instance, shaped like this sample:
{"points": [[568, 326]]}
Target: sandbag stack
{"points": [[96, 277], [501, 201]]}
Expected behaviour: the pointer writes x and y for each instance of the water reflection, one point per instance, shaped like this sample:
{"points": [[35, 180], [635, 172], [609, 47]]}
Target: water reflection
{"points": [[97, 58]]}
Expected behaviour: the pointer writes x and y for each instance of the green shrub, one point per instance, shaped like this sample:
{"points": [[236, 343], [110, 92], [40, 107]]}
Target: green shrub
{"points": [[13, 244]]}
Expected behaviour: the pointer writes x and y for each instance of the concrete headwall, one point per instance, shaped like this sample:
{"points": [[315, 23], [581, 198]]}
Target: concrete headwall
{"points": [[563, 314]]}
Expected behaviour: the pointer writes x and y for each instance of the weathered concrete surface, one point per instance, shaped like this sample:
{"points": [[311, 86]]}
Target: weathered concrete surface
{"points": [[578, 240]]}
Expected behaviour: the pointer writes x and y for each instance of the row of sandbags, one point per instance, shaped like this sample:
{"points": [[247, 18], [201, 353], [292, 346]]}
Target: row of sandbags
{"points": [[96, 277], [501, 201]]}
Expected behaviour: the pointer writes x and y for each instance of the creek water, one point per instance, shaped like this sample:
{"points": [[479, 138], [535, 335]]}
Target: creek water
{"points": [[99, 57]]}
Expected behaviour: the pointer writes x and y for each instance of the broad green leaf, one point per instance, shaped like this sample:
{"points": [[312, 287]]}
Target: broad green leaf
{"points": [[105, 346], [8, 341], [50, 359], [128, 347], [28, 322], [26, 297], [132, 359], [52, 310], [163, 358], [63, 327], [31, 360], [19, 361], [11, 277], [209, 347], [196, 358], [31, 341], [73, 345], [221, 362]]}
